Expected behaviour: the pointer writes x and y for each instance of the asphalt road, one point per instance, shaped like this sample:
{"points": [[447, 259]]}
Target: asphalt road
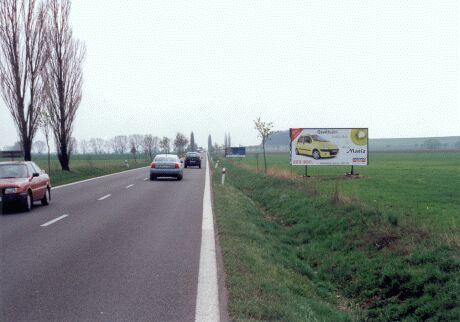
{"points": [[132, 256]]}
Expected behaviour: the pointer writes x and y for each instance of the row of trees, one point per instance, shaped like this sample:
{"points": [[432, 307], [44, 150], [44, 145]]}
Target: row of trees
{"points": [[41, 73], [135, 144]]}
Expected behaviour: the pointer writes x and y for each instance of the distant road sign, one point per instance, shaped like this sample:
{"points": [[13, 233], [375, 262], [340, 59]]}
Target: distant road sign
{"points": [[237, 152]]}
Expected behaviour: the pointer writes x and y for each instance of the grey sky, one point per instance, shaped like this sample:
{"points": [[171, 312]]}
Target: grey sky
{"points": [[213, 67]]}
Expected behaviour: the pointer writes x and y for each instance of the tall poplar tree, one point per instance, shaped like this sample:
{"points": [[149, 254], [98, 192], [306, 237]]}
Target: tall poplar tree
{"points": [[209, 143], [192, 142]]}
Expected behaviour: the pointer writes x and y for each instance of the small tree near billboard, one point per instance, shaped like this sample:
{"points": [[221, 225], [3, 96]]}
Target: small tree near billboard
{"points": [[264, 129]]}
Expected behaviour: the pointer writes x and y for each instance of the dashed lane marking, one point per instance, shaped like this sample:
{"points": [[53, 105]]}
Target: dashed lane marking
{"points": [[53, 221]]}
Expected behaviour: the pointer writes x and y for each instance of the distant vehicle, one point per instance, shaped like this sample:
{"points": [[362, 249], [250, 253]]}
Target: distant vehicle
{"points": [[166, 165], [22, 183], [316, 147], [192, 159]]}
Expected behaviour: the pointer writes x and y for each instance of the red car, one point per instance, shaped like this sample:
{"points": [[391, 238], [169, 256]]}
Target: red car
{"points": [[22, 183]]}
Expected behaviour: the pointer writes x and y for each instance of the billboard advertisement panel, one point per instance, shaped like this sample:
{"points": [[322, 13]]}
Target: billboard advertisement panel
{"points": [[237, 152], [324, 146]]}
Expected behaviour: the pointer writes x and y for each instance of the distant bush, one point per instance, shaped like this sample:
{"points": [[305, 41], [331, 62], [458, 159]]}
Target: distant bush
{"points": [[432, 144]]}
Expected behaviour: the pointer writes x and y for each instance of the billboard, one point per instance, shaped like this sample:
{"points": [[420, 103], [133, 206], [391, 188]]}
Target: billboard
{"points": [[324, 146], [238, 152]]}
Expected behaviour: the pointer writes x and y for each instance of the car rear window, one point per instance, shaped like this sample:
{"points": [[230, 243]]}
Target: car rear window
{"points": [[13, 171], [166, 159]]}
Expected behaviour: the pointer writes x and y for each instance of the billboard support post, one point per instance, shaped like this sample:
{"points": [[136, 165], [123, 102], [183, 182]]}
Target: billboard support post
{"points": [[352, 172]]}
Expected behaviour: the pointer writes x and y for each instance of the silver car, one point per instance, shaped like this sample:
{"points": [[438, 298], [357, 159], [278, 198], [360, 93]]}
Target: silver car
{"points": [[166, 165]]}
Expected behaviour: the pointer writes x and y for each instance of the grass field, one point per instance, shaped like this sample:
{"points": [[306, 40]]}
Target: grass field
{"points": [[384, 247], [421, 185], [86, 166]]}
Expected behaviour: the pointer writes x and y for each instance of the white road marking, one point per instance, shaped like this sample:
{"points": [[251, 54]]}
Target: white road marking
{"points": [[105, 197], [127, 187], [96, 178], [207, 299], [53, 221], [146, 179]]}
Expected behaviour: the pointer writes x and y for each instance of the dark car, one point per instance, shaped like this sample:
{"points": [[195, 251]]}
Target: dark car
{"points": [[22, 183], [166, 165], [192, 159]]}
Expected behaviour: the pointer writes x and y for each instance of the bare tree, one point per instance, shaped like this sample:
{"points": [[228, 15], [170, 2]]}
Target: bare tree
{"points": [[227, 143], [93, 145], [64, 77], [22, 57], [165, 144], [100, 143], [45, 126], [209, 144], [39, 146], [97, 145], [149, 145], [73, 146], [218, 148], [84, 146], [136, 141], [180, 142], [119, 144], [156, 144], [108, 146], [192, 145], [264, 129], [135, 144]]}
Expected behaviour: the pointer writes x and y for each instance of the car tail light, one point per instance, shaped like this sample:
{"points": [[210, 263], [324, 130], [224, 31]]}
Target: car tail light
{"points": [[152, 165], [177, 165]]}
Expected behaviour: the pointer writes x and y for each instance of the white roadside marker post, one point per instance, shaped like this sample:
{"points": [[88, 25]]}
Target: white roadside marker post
{"points": [[217, 164], [223, 176]]}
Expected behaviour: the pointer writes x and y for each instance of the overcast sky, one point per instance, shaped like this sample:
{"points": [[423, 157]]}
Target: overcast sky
{"points": [[212, 67]]}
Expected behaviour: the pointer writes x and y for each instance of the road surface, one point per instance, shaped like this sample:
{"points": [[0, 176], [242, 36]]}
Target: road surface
{"points": [[119, 248]]}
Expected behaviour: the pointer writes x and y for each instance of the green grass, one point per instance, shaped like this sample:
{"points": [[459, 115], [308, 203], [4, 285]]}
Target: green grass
{"points": [[323, 249], [86, 166], [421, 185], [265, 280]]}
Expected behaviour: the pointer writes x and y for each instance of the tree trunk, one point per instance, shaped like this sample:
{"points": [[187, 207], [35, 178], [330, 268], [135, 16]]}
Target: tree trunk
{"points": [[63, 156], [49, 160], [48, 146], [265, 159], [27, 146]]}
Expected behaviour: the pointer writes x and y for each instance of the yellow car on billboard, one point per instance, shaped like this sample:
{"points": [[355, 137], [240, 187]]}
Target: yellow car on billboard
{"points": [[316, 147]]}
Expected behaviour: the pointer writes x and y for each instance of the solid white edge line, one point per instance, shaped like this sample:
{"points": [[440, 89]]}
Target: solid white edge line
{"points": [[95, 178], [105, 197], [53, 221], [207, 299], [129, 186]]}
